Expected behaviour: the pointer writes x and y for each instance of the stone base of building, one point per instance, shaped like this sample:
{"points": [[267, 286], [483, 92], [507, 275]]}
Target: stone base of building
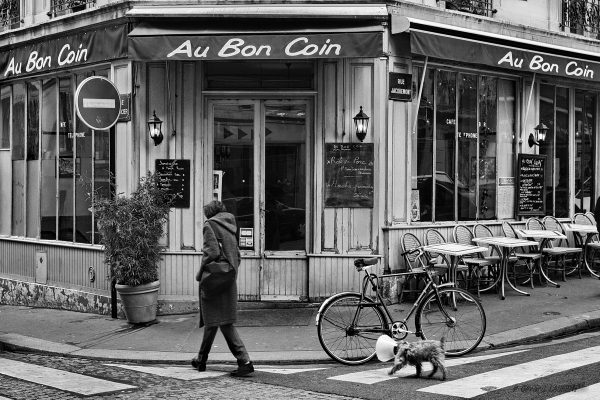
{"points": [[31, 294]]}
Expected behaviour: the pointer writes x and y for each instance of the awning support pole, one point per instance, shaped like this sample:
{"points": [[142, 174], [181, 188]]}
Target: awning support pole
{"points": [[527, 111], [414, 129]]}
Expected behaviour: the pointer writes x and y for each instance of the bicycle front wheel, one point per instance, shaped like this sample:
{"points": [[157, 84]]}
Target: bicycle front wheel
{"points": [[591, 254], [465, 328], [348, 328]]}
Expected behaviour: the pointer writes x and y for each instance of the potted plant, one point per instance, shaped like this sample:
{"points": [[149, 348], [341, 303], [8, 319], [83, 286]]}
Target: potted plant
{"points": [[131, 228]]}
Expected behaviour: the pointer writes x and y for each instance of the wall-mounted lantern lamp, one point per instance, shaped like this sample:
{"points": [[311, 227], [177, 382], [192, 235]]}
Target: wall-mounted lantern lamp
{"points": [[361, 123], [155, 129], [540, 135]]}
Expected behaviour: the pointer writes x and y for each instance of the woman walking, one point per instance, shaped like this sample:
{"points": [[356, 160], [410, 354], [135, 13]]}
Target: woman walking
{"points": [[219, 310]]}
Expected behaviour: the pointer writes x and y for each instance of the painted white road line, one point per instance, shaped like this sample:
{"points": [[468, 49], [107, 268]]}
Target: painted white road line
{"points": [[58, 379], [379, 375], [493, 380], [586, 393], [285, 371], [182, 373]]}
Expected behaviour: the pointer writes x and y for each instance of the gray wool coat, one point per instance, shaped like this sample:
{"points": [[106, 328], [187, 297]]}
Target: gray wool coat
{"points": [[222, 308]]}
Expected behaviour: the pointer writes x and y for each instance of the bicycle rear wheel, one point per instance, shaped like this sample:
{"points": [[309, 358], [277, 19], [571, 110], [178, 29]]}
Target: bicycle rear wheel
{"points": [[463, 332], [347, 342]]}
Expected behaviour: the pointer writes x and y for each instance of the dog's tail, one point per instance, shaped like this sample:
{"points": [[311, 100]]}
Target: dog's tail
{"points": [[442, 343]]}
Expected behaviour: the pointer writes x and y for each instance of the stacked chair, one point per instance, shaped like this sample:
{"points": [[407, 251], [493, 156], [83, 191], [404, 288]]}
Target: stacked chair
{"points": [[480, 269], [555, 256], [529, 258], [433, 236], [415, 283]]}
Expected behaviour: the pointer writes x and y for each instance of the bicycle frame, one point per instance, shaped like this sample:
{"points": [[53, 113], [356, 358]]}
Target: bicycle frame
{"points": [[371, 278]]}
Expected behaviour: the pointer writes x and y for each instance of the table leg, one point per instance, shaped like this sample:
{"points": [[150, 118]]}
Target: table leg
{"points": [[505, 257]]}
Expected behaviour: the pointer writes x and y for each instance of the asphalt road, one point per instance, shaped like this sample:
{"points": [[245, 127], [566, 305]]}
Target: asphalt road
{"points": [[540, 371]]}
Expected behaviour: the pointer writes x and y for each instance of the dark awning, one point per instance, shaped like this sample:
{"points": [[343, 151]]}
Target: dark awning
{"points": [[500, 51], [66, 51], [206, 41]]}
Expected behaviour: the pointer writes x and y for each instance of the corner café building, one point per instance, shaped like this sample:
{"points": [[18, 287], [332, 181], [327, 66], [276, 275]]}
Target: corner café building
{"points": [[257, 104]]}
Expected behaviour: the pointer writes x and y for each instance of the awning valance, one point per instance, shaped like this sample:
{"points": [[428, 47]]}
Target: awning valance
{"points": [[67, 51], [156, 41], [448, 43]]}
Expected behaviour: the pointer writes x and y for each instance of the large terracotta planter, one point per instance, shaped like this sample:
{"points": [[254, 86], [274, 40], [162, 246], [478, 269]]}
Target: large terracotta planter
{"points": [[139, 302]]}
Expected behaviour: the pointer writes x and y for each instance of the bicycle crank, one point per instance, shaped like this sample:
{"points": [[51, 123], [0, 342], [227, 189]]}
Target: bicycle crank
{"points": [[399, 330]]}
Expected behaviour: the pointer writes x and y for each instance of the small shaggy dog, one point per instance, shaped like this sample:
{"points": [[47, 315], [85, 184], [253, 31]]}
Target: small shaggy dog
{"points": [[418, 352]]}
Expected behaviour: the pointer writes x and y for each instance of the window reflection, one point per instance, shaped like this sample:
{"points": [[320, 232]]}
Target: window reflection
{"points": [[234, 158], [285, 183]]}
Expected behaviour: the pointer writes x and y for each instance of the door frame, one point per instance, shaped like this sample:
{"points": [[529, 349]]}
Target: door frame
{"points": [[267, 259]]}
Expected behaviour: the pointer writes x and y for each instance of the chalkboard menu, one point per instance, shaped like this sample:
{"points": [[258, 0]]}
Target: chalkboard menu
{"points": [[349, 175], [174, 177], [531, 189]]}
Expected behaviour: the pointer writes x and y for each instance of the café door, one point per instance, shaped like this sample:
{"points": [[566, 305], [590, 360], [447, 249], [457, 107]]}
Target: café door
{"points": [[261, 158]]}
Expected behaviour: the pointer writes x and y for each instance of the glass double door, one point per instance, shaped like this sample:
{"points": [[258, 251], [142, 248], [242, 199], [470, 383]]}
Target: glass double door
{"points": [[260, 163]]}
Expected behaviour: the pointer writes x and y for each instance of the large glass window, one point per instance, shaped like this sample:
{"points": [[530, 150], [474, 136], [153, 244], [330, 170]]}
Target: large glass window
{"points": [[472, 119], [554, 112], [33, 156], [585, 128], [57, 162], [18, 160]]}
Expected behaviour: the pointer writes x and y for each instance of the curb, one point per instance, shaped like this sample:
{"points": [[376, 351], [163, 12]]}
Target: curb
{"points": [[543, 331], [532, 333]]}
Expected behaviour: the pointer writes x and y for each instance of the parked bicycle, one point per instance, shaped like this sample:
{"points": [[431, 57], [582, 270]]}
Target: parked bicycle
{"points": [[349, 323]]}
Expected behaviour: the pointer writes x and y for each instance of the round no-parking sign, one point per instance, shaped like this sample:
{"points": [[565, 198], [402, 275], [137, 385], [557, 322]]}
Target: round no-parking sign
{"points": [[97, 103]]}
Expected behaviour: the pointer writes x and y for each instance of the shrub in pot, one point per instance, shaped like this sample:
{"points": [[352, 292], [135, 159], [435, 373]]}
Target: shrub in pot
{"points": [[131, 228]]}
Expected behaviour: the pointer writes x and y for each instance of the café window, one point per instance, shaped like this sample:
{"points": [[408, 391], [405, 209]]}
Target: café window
{"points": [[464, 142], [57, 162]]}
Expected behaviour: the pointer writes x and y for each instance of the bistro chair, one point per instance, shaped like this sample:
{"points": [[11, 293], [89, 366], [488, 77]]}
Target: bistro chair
{"points": [[591, 216], [558, 251], [415, 283], [582, 219], [527, 257], [433, 236], [480, 268]]}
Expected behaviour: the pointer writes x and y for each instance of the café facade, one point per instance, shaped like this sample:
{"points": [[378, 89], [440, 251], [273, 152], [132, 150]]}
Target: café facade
{"points": [[319, 126]]}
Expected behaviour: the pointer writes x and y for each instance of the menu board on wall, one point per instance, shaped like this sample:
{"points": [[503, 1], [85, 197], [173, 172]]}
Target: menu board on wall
{"points": [[349, 175], [174, 177], [531, 189]]}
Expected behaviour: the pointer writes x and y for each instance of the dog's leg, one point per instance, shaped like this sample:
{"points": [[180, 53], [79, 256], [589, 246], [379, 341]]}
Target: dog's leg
{"points": [[418, 368], [435, 368], [395, 368]]}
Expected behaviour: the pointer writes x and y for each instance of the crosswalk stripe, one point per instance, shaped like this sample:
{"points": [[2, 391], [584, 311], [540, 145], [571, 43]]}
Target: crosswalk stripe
{"points": [[182, 373], [586, 393], [380, 375], [285, 371], [493, 380], [4, 398], [58, 379]]}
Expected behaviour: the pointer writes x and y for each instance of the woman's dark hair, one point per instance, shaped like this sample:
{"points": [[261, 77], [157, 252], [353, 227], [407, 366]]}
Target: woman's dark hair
{"points": [[213, 208]]}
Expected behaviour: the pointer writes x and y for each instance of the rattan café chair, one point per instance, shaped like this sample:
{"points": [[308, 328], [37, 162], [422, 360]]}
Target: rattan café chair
{"points": [[527, 257], [480, 269]]}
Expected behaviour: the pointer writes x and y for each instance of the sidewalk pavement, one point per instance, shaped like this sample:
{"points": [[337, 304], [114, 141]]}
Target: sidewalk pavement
{"points": [[278, 333]]}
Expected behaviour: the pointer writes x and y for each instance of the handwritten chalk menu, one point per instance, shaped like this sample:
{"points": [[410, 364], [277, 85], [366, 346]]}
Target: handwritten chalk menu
{"points": [[349, 175], [174, 176], [531, 189]]}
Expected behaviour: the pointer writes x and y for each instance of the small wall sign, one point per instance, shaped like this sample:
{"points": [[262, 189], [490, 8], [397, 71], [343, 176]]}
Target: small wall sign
{"points": [[246, 237], [400, 86], [125, 113]]}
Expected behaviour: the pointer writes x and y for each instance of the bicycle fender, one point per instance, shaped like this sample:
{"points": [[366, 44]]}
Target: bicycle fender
{"points": [[443, 285], [329, 300]]}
